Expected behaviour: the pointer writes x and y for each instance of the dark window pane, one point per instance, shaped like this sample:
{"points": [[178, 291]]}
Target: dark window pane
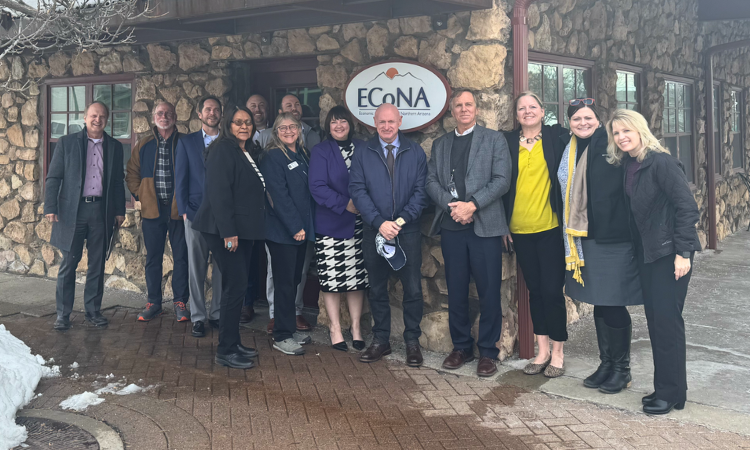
{"points": [[716, 106], [718, 153], [550, 84], [679, 96], [621, 88], [103, 93], [122, 98], [632, 87], [686, 155], [671, 144], [75, 123], [672, 121], [550, 115], [535, 78], [735, 101], [665, 122], [77, 98], [681, 121], [688, 119], [671, 103], [569, 84], [58, 125], [688, 95], [59, 98], [121, 125], [581, 90], [737, 151]]}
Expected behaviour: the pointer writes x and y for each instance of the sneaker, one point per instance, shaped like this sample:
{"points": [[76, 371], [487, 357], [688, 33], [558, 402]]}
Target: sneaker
{"points": [[151, 311], [181, 313], [301, 338], [289, 346]]}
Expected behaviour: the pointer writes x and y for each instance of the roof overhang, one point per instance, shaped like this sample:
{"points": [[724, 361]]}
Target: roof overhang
{"points": [[709, 10], [186, 19]]}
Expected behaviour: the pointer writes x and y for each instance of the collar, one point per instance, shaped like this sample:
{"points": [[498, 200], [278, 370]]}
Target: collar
{"points": [[95, 141], [467, 132], [208, 135], [396, 143]]}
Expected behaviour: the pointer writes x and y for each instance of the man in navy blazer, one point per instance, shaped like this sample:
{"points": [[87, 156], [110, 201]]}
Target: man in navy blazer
{"points": [[190, 174]]}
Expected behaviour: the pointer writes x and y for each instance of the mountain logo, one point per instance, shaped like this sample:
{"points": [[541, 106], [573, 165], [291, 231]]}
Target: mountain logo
{"points": [[392, 73]]}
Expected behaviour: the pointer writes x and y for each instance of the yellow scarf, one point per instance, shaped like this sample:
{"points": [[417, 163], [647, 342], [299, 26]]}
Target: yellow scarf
{"points": [[576, 222]]}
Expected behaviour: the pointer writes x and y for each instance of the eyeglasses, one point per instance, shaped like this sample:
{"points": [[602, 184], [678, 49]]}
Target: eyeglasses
{"points": [[291, 127], [239, 123], [166, 114], [585, 101]]}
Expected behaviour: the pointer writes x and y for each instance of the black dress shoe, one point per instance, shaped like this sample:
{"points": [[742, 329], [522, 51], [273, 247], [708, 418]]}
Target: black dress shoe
{"points": [[97, 320], [341, 346], [358, 345], [375, 352], [235, 361], [214, 323], [413, 354], [246, 351], [457, 358], [658, 406], [199, 329], [649, 398], [61, 324]]}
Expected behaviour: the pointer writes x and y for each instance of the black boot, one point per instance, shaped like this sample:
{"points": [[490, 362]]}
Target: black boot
{"points": [[620, 379], [605, 367]]}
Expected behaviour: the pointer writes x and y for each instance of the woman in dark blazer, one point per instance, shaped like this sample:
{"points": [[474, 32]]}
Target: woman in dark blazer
{"points": [[289, 225], [600, 255], [663, 218], [338, 242], [230, 218], [532, 208]]}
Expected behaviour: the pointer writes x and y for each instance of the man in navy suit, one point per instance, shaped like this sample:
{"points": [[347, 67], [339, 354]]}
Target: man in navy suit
{"points": [[190, 174]]}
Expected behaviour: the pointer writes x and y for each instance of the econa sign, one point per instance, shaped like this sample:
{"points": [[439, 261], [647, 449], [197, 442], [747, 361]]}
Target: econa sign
{"points": [[421, 94]]}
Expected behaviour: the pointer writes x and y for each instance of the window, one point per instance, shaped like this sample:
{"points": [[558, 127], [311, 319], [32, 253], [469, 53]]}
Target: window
{"points": [[557, 84], [66, 100], [678, 124], [735, 130], [718, 122], [627, 90]]}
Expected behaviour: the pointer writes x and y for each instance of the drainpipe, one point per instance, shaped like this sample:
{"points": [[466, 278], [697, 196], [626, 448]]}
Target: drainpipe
{"points": [[710, 150], [521, 83]]}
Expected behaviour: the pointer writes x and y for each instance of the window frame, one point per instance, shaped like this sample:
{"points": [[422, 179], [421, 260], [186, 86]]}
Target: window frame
{"points": [[88, 82], [740, 133], [565, 62], [691, 88], [718, 129], [640, 83]]}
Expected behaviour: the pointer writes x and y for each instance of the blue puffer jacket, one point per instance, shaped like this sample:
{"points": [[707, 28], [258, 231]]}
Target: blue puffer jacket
{"points": [[370, 183]]}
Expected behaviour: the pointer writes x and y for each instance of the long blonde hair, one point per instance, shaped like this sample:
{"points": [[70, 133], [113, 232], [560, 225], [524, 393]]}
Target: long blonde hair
{"points": [[635, 121], [275, 141]]}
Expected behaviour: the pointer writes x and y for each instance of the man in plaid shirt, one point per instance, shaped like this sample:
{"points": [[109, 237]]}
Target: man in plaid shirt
{"points": [[151, 178]]}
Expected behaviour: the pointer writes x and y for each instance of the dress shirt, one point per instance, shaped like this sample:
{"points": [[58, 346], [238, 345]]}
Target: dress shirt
{"points": [[94, 168], [164, 173], [465, 132], [396, 144], [208, 139]]}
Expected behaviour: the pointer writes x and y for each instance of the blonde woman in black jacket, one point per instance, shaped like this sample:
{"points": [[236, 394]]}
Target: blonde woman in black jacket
{"points": [[663, 215]]}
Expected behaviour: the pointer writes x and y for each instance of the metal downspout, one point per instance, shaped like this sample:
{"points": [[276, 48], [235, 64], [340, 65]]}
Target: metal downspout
{"points": [[710, 150], [520, 84]]}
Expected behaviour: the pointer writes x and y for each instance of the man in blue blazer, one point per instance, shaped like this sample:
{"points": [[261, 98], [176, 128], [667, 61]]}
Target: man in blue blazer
{"points": [[190, 174], [387, 184]]}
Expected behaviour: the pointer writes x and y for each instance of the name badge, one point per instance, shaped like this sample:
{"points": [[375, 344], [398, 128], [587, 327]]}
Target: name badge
{"points": [[293, 165]]}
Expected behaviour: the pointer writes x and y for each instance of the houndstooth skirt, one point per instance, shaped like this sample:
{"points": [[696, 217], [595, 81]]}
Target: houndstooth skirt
{"points": [[341, 265]]}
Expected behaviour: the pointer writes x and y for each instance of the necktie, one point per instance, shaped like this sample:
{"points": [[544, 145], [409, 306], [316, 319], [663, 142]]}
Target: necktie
{"points": [[390, 160]]}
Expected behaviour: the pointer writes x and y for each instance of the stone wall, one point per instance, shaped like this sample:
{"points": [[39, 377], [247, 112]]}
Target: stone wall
{"points": [[474, 51]]}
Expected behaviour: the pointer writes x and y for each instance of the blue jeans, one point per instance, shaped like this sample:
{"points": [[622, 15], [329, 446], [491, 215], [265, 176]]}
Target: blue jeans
{"points": [[410, 275], [155, 237]]}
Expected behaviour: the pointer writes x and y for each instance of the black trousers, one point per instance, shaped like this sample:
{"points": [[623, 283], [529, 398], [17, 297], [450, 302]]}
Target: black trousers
{"points": [[379, 271], [234, 267], [542, 260], [90, 226], [663, 300], [286, 266], [467, 254]]}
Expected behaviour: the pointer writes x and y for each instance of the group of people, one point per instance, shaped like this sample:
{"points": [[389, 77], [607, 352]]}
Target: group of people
{"points": [[600, 212]]}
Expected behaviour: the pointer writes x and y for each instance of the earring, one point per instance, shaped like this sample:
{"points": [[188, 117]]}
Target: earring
{"points": [[571, 132], [600, 125]]}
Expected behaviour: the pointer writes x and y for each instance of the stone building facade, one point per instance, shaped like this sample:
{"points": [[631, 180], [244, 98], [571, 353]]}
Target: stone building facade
{"points": [[658, 42]]}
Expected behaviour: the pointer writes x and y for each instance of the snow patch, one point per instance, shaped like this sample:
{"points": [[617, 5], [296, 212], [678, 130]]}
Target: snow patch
{"points": [[80, 402], [74, 365], [20, 372], [517, 364], [121, 389]]}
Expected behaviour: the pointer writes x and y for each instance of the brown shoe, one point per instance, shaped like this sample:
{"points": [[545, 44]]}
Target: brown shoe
{"points": [[247, 314], [554, 372], [374, 352], [457, 358], [269, 327], [486, 367], [413, 354], [303, 324], [533, 369]]}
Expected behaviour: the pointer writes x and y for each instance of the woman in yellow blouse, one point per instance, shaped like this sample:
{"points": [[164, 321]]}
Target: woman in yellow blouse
{"points": [[533, 208]]}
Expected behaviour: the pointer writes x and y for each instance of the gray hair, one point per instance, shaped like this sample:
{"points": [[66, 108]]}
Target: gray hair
{"points": [[460, 91], [275, 141]]}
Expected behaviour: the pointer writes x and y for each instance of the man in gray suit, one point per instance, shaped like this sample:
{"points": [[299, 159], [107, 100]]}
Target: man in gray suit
{"points": [[467, 175], [85, 200]]}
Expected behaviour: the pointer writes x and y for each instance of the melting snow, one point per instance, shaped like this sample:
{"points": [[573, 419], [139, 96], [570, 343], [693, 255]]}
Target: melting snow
{"points": [[81, 401]]}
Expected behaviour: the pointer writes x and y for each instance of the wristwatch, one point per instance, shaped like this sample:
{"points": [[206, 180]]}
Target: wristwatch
{"points": [[685, 255], [400, 222]]}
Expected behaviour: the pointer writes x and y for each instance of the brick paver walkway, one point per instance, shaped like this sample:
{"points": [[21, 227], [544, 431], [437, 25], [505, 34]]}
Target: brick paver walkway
{"points": [[325, 399]]}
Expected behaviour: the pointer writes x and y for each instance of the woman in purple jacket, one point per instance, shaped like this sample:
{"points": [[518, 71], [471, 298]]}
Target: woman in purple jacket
{"points": [[338, 226]]}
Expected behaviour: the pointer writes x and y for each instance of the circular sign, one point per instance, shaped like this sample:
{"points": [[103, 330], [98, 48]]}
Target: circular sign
{"points": [[420, 93]]}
